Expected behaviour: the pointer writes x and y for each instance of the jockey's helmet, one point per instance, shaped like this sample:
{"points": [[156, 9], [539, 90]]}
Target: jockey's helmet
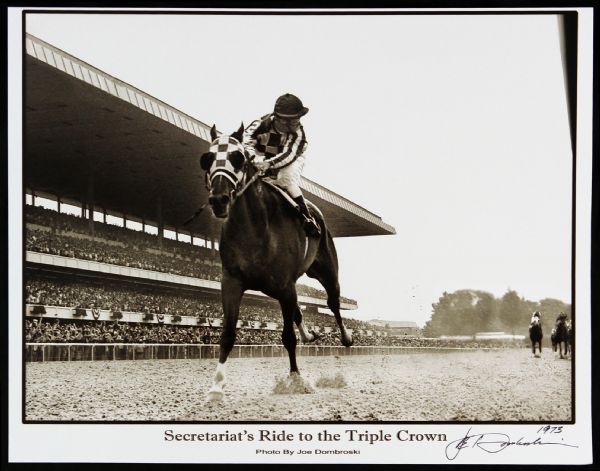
{"points": [[289, 106]]}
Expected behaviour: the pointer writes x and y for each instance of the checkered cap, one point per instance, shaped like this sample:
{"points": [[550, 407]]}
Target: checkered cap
{"points": [[222, 147], [225, 145]]}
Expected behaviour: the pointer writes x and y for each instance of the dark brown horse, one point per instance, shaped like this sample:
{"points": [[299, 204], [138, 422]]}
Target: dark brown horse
{"points": [[570, 338], [263, 247], [536, 335], [560, 336]]}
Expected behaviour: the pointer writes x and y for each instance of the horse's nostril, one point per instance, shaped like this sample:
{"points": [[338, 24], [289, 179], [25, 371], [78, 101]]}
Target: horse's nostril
{"points": [[221, 200]]}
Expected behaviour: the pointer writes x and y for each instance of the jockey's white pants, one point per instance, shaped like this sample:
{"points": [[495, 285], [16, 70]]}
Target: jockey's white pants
{"points": [[288, 177]]}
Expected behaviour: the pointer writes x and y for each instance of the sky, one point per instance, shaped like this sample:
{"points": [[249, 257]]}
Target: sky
{"points": [[453, 129]]}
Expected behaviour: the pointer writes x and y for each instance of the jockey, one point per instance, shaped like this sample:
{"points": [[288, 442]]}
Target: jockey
{"points": [[537, 317], [277, 142]]}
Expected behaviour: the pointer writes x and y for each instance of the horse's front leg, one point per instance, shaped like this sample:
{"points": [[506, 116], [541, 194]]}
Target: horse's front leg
{"points": [[289, 304], [231, 292]]}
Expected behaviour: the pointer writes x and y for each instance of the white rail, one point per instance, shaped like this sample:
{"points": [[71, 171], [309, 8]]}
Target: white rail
{"points": [[35, 352]]}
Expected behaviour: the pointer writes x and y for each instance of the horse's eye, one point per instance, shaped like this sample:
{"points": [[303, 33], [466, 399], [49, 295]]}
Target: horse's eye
{"points": [[237, 160], [206, 160]]}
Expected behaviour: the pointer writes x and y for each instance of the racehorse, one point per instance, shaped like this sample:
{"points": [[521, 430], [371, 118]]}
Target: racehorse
{"points": [[536, 335], [263, 247], [560, 336], [570, 338]]}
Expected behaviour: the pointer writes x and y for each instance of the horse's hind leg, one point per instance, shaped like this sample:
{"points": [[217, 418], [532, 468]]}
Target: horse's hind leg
{"points": [[231, 292], [325, 269], [305, 336]]}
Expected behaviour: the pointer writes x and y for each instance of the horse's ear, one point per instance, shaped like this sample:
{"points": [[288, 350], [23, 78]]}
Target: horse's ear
{"points": [[206, 160], [237, 160], [239, 134], [213, 132]]}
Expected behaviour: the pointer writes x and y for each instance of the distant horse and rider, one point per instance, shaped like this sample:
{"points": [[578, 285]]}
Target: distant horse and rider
{"points": [[264, 247], [561, 335], [535, 334]]}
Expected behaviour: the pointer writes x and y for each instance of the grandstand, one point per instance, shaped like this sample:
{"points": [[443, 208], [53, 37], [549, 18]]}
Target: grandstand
{"points": [[106, 257], [398, 328]]}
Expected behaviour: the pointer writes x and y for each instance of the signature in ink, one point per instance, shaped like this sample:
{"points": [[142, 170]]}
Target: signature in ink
{"points": [[493, 443]]}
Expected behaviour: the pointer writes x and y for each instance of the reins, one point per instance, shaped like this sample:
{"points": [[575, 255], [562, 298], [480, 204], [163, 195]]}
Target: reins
{"points": [[196, 214], [258, 174]]}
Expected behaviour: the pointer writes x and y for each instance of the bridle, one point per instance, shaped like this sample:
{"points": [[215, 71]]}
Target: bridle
{"points": [[222, 147]]}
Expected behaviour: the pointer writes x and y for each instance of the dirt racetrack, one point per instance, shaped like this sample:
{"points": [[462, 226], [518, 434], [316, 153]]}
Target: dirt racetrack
{"points": [[498, 385]]}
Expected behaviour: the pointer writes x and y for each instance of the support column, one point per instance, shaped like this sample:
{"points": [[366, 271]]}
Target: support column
{"points": [[159, 221], [90, 203], [54, 219]]}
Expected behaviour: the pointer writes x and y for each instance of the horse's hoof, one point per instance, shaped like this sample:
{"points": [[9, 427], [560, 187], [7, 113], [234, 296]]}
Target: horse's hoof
{"points": [[346, 340], [214, 396]]}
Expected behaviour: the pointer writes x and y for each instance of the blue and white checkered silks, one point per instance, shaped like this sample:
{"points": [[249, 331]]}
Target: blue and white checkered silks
{"points": [[222, 147]]}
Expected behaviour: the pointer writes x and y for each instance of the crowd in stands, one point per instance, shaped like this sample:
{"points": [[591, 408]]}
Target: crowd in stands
{"points": [[132, 298], [66, 235], [66, 331], [77, 331], [68, 245], [122, 297]]}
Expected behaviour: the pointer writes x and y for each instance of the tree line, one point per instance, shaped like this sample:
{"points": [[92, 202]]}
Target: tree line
{"points": [[466, 312]]}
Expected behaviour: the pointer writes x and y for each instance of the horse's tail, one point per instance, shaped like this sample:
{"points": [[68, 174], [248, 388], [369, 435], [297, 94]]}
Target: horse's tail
{"points": [[325, 266]]}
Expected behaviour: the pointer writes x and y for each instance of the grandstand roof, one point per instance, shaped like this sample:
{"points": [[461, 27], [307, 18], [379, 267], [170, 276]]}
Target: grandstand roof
{"points": [[83, 125]]}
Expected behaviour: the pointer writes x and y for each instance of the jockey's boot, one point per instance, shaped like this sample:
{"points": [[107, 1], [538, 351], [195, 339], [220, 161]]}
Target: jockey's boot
{"points": [[311, 227]]}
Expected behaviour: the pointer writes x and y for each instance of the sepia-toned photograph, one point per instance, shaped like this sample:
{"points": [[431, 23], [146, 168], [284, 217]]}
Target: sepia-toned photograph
{"points": [[314, 217]]}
